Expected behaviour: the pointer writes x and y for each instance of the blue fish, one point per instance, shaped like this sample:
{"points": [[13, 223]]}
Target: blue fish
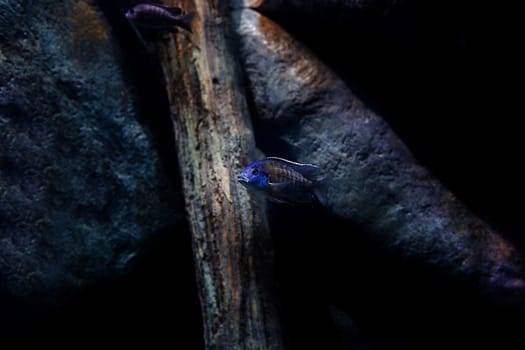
{"points": [[156, 16], [284, 181]]}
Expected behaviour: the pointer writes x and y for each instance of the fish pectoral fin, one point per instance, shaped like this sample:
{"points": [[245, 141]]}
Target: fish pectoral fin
{"points": [[286, 191], [277, 192], [277, 187]]}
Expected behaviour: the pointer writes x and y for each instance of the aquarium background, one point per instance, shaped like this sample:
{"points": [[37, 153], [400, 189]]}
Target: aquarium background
{"points": [[447, 77]]}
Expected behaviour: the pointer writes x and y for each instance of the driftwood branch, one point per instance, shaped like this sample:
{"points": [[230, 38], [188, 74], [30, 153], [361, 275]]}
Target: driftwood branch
{"points": [[231, 242]]}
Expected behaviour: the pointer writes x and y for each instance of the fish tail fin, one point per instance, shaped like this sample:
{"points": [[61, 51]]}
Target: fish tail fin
{"points": [[185, 21], [320, 188]]}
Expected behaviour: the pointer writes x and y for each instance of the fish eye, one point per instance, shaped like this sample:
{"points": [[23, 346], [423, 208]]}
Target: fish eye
{"points": [[255, 171]]}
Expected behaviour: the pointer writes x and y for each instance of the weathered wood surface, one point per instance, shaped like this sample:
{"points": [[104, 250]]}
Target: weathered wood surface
{"points": [[231, 241]]}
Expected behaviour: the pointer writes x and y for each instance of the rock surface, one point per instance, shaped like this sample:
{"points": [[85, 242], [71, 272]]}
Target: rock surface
{"points": [[81, 185], [376, 183], [320, 8]]}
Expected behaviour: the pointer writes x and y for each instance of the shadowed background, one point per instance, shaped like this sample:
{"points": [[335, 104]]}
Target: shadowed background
{"points": [[443, 75]]}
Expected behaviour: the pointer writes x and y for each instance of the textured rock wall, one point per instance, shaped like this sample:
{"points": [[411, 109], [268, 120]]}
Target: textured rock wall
{"points": [[375, 181], [81, 185]]}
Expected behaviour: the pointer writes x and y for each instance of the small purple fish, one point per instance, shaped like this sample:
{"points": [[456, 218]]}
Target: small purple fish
{"points": [[156, 16], [284, 181]]}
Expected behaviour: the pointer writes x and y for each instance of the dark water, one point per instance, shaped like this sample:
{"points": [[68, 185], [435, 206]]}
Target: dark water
{"points": [[447, 78], [156, 304]]}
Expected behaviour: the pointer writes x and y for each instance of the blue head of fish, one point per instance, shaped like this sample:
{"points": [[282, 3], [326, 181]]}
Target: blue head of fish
{"points": [[254, 177]]}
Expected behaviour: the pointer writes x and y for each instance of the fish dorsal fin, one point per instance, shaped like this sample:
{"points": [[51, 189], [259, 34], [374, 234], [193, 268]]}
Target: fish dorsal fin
{"points": [[175, 11], [309, 171]]}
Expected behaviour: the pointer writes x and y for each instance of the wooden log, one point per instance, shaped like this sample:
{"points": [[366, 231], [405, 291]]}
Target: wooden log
{"points": [[231, 242]]}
